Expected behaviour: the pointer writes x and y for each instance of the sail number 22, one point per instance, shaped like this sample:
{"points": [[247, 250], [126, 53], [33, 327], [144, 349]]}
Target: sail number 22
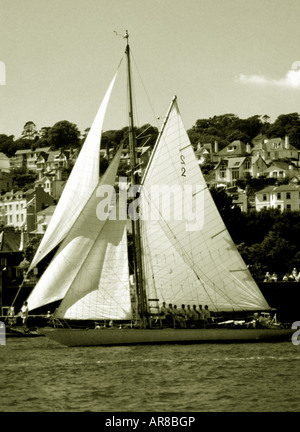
{"points": [[183, 170]]}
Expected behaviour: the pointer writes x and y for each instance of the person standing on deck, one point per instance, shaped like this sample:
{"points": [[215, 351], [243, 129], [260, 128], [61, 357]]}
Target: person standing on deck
{"points": [[24, 313]]}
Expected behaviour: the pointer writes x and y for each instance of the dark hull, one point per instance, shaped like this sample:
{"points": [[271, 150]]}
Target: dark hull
{"points": [[116, 336]]}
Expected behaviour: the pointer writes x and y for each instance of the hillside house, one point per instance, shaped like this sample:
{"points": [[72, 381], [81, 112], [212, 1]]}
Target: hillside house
{"points": [[228, 170], [235, 149], [274, 149], [207, 153], [18, 209], [280, 169], [283, 197], [26, 158]]}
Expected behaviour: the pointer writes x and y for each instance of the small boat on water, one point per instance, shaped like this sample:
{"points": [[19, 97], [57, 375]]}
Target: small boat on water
{"points": [[183, 253]]}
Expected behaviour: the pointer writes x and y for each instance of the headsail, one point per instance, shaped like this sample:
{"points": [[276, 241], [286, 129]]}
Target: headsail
{"points": [[90, 261], [189, 261], [83, 179]]}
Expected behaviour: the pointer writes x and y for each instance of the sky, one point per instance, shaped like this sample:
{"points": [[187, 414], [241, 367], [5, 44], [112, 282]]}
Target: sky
{"points": [[57, 58]]}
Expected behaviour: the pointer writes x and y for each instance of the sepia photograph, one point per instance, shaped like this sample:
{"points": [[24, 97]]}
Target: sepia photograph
{"points": [[149, 209]]}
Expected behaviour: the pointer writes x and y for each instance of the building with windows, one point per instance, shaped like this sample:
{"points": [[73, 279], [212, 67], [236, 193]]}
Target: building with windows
{"points": [[283, 197], [228, 170], [19, 209], [281, 169], [26, 158], [274, 148]]}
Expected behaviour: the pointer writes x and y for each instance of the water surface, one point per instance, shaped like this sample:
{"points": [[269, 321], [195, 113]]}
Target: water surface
{"points": [[47, 377]]}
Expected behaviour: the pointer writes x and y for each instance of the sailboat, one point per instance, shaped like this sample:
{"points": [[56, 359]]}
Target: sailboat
{"points": [[183, 253]]}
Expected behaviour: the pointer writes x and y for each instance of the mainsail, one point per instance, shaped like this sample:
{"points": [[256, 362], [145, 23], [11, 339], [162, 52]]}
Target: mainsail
{"points": [[83, 179], [188, 254]]}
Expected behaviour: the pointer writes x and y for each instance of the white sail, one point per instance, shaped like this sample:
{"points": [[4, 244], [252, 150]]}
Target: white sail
{"points": [[101, 287], [190, 261], [80, 261], [83, 179]]}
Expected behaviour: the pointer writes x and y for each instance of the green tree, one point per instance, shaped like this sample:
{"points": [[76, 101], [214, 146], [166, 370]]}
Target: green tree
{"points": [[63, 135], [232, 216], [22, 177], [30, 248], [29, 131], [286, 124], [7, 145]]}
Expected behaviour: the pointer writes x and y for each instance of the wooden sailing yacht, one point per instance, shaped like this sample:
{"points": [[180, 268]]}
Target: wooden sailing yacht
{"points": [[183, 251]]}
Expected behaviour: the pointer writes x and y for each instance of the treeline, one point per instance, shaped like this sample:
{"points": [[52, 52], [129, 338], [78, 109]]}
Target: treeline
{"points": [[229, 127], [64, 134], [222, 128], [268, 240]]}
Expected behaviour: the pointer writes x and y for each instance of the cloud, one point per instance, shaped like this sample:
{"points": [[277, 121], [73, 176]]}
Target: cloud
{"points": [[291, 80]]}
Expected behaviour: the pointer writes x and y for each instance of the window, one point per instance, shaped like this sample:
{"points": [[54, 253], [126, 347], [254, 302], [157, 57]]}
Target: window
{"points": [[278, 195], [288, 195], [288, 206], [264, 197], [247, 165], [231, 148], [235, 174], [279, 207], [222, 171]]}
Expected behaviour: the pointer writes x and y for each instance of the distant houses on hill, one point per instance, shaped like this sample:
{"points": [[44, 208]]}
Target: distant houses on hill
{"points": [[271, 158]]}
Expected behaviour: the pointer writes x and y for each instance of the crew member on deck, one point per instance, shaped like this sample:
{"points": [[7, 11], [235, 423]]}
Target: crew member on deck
{"points": [[165, 314], [207, 314], [24, 313], [201, 316], [178, 317]]}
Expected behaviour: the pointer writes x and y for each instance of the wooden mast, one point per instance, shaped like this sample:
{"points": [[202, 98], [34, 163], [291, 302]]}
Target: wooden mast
{"points": [[138, 269]]}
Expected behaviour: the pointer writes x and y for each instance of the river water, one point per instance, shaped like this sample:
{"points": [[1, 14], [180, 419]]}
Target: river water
{"points": [[41, 376]]}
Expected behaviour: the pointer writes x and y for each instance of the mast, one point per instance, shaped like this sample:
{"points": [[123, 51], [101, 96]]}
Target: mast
{"points": [[136, 232]]}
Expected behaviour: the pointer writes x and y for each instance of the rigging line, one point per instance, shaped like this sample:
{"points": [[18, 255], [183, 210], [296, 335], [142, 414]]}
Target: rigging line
{"points": [[158, 139], [145, 90]]}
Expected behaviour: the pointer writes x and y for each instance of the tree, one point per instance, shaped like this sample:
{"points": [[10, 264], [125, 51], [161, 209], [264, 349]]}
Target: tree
{"points": [[231, 215], [7, 145], [64, 135], [29, 131], [30, 248], [21, 177], [287, 124]]}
